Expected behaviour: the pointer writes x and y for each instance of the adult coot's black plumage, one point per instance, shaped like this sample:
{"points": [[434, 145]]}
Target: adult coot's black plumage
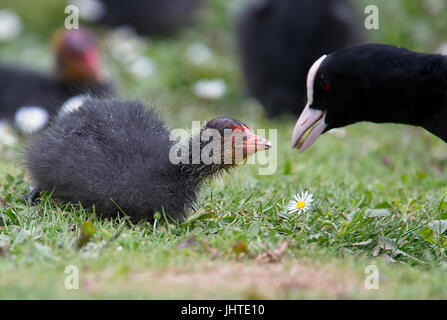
{"points": [[114, 154], [78, 71], [279, 40], [150, 17], [377, 83]]}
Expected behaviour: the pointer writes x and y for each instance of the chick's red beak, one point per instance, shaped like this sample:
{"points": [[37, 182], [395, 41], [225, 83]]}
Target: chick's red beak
{"points": [[253, 143]]}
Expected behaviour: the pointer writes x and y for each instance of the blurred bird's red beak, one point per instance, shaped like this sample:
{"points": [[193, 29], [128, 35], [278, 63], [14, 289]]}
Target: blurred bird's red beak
{"points": [[91, 63]]}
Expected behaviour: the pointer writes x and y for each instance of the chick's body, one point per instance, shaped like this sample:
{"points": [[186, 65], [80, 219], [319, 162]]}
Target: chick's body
{"points": [[110, 154]]}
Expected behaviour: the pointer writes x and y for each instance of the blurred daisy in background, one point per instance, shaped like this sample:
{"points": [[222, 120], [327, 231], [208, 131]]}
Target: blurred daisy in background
{"points": [[10, 25], [7, 136], [142, 67], [89, 10], [442, 49], [434, 7], [128, 48], [125, 44], [210, 89], [31, 119], [301, 203], [199, 54], [338, 132]]}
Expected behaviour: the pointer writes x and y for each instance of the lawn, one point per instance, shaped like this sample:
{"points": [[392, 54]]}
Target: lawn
{"points": [[379, 191]]}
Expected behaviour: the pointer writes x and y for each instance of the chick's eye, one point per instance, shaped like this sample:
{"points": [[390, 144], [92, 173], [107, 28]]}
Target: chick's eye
{"points": [[325, 86]]}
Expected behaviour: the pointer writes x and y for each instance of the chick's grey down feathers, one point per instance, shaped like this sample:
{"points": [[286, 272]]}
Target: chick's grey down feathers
{"points": [[110, 154]]}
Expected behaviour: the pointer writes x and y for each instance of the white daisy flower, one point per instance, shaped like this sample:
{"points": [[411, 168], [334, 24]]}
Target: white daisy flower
{"points": [[301, 202]]}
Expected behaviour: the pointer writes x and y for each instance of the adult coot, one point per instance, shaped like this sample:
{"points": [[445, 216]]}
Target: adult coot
{"points": [[377, 83]]}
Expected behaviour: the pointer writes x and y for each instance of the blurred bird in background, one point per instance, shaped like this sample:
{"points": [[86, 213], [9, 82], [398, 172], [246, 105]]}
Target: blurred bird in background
{"points": [[29, 99], [147, 17], [278, 41]]}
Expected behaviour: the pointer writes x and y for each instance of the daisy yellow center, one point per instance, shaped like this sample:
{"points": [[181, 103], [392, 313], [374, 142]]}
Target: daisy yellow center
{"points": [[300, 204]]}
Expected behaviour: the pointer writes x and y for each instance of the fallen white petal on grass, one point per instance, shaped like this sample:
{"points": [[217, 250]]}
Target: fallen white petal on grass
{"points": [[377, 213], [439, 226]]}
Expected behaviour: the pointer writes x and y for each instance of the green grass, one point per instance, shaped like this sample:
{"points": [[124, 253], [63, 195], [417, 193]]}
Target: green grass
{"points": [[394, 171]]}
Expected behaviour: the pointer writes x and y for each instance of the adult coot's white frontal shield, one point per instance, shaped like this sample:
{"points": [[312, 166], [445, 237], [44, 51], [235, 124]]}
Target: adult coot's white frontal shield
{"points": [[311, 122]]}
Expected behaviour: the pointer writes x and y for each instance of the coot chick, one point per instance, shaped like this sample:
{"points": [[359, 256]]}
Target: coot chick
{"points": [[278, 40], [117, 156], [78, 71], [150, 17], [377, 83]]}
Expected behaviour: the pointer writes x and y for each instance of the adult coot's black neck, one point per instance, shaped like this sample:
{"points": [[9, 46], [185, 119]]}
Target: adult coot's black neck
{"points": [[219, 146], [377, 83]]}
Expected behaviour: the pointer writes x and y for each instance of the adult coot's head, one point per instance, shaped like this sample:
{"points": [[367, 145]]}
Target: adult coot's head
{"points": [[78, 56], [377, 83], [237, 139]]}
